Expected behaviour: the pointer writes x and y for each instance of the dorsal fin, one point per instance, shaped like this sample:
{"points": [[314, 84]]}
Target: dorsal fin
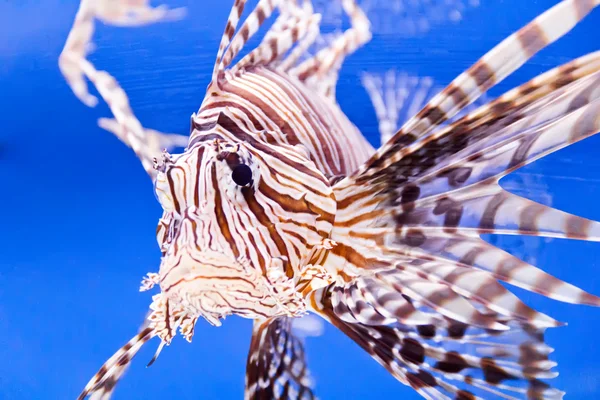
{"points": [[230, 28]]}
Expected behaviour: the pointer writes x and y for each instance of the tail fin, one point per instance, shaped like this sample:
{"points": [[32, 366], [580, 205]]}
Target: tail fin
{"points": [[103, 383]]}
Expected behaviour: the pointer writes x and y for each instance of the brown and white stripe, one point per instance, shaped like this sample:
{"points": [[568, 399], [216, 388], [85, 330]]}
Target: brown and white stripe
{"points": [[489, 70], [391, 236], [273, 344]]}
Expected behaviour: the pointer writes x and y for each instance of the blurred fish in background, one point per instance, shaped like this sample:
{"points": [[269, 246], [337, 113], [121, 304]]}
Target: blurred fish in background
{"points": [[402, 18]]}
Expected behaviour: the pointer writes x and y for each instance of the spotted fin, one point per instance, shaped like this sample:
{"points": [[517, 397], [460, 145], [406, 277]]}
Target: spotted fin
{"points": [[489, 70], [451, 360], [276, 367], [449, 180], [412, 228], [413, 270]]}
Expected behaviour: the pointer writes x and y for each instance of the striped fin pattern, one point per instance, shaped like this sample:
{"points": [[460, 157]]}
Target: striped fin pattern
{"points": [[293, 33], [397, 96], [251, 25], [492, 68], [450, 360], [278, 43], [467, 160], [102, 384], [408, 225], [534, 186], [276, 368], [445, 192], [321, 70], [230, 28], [508, 108], [303, 48]]}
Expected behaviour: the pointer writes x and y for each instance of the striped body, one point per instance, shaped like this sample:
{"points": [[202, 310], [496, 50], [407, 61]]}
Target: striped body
{"points": [[278, 206], [284, 111]]}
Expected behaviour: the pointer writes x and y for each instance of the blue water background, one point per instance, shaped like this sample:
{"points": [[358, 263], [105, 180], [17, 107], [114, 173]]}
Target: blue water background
{"points": [[78, 215]]}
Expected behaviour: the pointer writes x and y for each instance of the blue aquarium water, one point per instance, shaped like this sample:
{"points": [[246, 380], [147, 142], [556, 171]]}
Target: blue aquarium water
{"points": [[79, 216]]}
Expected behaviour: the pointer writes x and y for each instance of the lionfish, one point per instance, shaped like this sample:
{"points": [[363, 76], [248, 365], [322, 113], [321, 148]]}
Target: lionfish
{"points": [[279, 207]]}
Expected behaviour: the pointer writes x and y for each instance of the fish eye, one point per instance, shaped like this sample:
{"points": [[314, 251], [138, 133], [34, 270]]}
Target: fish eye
{"points": [[242, 175]]}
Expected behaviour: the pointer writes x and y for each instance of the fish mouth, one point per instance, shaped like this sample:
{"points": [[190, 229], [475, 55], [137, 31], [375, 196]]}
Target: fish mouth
{"points": [[193, 273], [213, 285]]}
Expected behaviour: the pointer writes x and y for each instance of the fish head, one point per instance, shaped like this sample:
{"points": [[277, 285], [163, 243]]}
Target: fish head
{"points": [[241, 218]]}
